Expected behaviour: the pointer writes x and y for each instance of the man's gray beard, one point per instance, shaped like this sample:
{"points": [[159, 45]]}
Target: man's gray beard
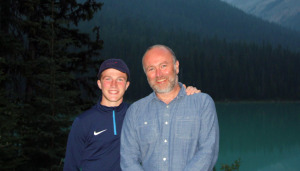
{"points": [[171, 86]]}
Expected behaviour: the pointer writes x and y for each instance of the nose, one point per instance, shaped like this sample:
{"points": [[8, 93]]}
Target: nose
{"points": [[113, 83], [158, 72]]}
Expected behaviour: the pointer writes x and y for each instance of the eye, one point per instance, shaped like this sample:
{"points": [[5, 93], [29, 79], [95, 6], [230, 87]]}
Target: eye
{"points": [[107, 78], [121, 79], [150, 69], [164, 66]]}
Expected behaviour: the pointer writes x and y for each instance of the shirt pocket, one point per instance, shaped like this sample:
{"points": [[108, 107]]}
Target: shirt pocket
{"points": [[148, 131], [187, 127]]}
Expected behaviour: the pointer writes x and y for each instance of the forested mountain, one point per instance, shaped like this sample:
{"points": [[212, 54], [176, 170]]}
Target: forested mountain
{"points": [[222, 50], [205, 18], [283, 12]]}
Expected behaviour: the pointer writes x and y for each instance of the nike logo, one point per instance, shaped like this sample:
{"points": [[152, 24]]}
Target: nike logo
{"points": [[97, 133]]}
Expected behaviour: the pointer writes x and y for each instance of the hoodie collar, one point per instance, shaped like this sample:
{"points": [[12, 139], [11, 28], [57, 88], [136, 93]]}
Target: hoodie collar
{"points": [[106, 108]]}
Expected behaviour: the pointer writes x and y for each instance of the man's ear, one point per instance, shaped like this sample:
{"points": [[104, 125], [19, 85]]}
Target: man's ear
{"points": [[99, 84], [127, 84], [177, 67]]}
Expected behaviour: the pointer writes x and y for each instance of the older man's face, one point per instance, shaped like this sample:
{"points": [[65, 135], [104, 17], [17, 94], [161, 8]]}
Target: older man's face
{"points": [[160, 70]]}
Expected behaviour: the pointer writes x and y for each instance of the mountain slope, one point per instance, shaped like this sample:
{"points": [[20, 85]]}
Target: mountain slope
{"points": [[284, 12]]}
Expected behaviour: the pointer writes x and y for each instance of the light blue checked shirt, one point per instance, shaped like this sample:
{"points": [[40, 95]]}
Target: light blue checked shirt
{"points": [[180, 136]]}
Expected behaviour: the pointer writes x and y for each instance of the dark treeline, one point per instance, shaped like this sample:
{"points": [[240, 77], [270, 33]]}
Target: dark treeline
{"points": [[44, 63], [240, 71]]}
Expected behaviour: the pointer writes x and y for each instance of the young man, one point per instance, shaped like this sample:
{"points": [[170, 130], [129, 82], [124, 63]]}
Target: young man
{"points": [[94, 139], [168, 130]]}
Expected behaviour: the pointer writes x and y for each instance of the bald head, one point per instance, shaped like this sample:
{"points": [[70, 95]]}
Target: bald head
{"points": [[155, 49]]}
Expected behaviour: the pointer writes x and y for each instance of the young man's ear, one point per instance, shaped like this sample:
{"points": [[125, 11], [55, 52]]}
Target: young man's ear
{"points": [[99, 84], [127, 84]]}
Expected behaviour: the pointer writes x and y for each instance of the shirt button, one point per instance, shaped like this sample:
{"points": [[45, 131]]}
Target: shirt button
{"points": [[167, 106], [166, 141], [166, 122], [164, 159], [145, 123]]}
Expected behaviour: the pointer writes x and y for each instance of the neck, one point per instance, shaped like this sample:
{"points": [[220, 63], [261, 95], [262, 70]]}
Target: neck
{"points": [[168, 97], [110, 103]]}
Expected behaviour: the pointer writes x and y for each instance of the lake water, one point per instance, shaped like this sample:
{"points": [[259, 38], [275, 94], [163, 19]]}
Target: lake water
{"points": [[265, 136]]}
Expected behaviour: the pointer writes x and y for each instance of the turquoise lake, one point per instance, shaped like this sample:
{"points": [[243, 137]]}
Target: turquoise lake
{"points": [[264, 135]]}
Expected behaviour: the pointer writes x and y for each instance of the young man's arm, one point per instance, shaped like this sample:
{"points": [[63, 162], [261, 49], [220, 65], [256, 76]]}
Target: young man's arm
{"points": [[130, 153], [75, 146], [207, 156]]}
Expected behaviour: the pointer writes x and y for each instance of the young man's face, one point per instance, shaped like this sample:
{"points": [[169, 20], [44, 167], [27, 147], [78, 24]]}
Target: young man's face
{"points": [[113, 84], [160, 70]]}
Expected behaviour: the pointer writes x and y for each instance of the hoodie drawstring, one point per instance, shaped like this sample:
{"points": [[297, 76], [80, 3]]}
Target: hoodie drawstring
{"points": [[114, 120]]}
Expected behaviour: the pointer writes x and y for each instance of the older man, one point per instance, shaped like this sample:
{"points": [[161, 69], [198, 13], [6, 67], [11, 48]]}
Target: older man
{"points": [[168, 130]]}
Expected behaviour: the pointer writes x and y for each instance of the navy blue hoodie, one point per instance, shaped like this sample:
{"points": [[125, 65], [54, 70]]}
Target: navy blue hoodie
{"points": [[94, 139]]}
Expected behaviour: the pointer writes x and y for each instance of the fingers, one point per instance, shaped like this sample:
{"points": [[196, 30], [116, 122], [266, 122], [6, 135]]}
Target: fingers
{"points": [[192, 90]]}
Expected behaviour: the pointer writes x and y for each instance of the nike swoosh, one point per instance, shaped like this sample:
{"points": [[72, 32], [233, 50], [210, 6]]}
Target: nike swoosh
{"points": [[97, 133]]}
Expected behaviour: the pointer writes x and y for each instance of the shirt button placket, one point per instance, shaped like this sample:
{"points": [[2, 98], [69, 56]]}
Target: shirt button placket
{"points": [[166, 129], [166, 140]]}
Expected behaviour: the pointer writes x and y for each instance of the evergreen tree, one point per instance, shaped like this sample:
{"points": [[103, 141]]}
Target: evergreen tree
{"points": [[45, 63]]}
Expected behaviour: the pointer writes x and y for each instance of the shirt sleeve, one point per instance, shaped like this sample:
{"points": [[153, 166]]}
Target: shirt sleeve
{"points": [[75, 146], [207, 155], [130, 152]]}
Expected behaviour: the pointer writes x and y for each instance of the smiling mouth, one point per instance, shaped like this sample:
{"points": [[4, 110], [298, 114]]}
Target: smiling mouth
{"points": [[113, 92], [161, 80]]}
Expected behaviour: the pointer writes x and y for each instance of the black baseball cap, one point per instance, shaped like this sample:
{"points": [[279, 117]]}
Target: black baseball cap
{"points": [[118, 64]]}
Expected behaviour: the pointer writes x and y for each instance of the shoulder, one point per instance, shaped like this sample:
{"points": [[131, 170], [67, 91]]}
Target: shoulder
{"points": [[204, 97], [87, 116], [142, 102], [200, 99], [139, 104], [88, 113], [199, 96]]}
